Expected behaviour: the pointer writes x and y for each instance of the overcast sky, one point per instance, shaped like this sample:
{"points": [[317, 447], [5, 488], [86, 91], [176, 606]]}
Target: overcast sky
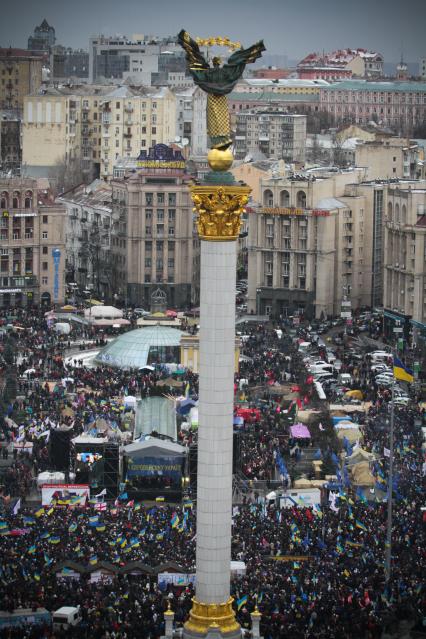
{"points": [[290, 27]]}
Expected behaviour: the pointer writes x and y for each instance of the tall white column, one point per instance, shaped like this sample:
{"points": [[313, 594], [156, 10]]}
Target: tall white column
{"points": [[216, 395]]}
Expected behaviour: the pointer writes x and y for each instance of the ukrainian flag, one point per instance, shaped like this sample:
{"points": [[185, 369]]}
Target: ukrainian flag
{"points": [[401, 372], [360, 525], [93, 560], [242, 602]]}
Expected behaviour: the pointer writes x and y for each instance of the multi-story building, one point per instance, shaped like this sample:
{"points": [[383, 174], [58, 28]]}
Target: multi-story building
{"points": [[161, 244], [389, 158], [398, 105], [93, 243], [312, 243], [422, 68], [404, 298], [184, 116], [66, 63], [199, 141], [341, 64], [32, 245], [120, 58], [271, 73], [94, 125], [10, 142], [43, 37], [20, 74], [277, 135]]}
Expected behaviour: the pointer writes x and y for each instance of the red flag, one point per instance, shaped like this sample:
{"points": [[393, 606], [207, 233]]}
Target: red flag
{"points": [[308, 514]]}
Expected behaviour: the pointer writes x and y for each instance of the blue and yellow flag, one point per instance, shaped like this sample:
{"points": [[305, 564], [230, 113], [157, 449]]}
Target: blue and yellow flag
{"points": [[93, 560], [175, 521], [402, 372], [242, 601], [39, 512], [360, 525]]}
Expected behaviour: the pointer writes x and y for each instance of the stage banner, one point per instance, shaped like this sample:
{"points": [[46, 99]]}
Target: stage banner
{"points": [[175, 578], [149, 466]]}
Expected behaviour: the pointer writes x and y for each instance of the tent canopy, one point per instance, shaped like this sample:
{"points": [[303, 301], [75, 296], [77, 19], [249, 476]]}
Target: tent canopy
{"points": [[104, 312]]}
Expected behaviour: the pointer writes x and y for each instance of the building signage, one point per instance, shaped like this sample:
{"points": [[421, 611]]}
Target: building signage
{"points": [[56, 259], [291, 210], [161, 156]]}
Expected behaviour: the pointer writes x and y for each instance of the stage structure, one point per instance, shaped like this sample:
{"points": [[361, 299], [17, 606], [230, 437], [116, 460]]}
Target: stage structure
{"points": [[219, 203]]}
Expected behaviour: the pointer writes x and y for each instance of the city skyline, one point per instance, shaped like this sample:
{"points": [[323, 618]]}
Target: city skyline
{"points": [[323, 25]]}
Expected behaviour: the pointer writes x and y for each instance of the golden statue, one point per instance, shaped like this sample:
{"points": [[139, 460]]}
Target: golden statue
{"points": [[217, 81]]}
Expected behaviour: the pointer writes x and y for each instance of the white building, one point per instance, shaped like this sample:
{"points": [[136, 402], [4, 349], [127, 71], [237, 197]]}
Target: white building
{"points": [[121, 58]]}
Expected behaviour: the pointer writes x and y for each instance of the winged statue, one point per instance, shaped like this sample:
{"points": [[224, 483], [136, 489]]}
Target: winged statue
{"points": [[217, 81]]}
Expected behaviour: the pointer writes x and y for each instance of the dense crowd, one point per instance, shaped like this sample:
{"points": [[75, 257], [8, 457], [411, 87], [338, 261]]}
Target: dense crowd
{"points": [[313, 572]]}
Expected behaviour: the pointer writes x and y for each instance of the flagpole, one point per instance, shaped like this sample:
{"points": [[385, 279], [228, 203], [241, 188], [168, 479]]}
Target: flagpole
{"points": [[388, 545]]}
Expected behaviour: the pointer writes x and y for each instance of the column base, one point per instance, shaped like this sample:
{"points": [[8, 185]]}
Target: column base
{"points": [[212, 621]]}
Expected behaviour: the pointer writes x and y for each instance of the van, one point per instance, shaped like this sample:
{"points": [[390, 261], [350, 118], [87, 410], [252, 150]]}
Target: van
{"points": [[65, 617]]}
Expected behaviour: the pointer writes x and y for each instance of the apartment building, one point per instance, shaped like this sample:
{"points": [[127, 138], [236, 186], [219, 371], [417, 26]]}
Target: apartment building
{"points": [[94, 246], [392, 157], [278, 136], [94, 125], [137, 58], [404, 297], [309, 245], [10, 142], [32, 245], [161, 243], [398, 105], [20, 74]]}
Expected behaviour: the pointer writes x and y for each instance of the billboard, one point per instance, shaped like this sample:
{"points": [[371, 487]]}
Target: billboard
{"points": [[65, 494]]}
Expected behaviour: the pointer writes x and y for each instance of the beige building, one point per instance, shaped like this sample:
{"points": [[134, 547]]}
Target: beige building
{"points": [[20, 74], [405, 260], [32, 245], [311, 244], [90, 126], [389, 158], [161, 244]]}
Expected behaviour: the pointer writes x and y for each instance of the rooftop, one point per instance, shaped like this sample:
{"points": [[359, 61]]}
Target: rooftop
{"points": [[365, 85]]}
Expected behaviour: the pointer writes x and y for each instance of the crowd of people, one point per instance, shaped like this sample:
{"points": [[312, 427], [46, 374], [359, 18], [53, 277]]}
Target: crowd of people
{"points": [[312, 571]]}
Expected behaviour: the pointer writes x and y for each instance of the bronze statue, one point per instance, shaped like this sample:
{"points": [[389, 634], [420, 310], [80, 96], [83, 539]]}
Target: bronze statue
{"points": [[217, 81]]}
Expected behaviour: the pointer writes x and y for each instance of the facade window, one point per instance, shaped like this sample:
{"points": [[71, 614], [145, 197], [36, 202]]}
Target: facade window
{"points": [[44, 235], [148, 214], [160, 246], [45, 250], [148, 262], [44, 280], [45, 219], [44, 266], [149, 199], [160, 215]]}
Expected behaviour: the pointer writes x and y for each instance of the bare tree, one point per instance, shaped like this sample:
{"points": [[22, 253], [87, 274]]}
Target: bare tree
{"points": [[66, 174]]}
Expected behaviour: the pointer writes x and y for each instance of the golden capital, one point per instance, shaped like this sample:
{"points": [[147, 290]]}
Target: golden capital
{"points": [[203, 616], [219, 210]]}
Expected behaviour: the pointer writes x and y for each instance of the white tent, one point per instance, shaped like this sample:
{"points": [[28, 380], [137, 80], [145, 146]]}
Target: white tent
{"points": [[103, 312]]}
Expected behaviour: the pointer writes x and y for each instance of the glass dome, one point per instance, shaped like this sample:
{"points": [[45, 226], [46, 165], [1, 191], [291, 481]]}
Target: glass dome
{"points": [[142, 347]]}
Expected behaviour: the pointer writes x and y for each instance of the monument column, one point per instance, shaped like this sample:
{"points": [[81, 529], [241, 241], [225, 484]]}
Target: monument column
{"points": [[219, 202]]}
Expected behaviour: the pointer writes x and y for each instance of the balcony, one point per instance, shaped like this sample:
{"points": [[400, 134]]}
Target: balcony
{"points": [[127, 135], [128, 109]]}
